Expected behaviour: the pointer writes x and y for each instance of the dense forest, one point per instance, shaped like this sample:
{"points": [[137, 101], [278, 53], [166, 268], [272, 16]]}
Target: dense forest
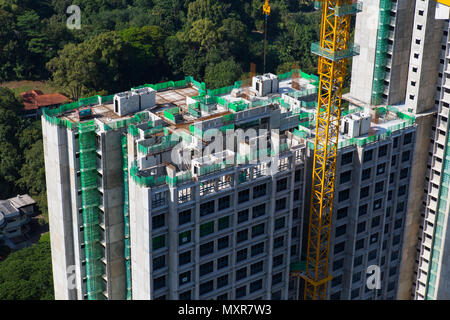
{"points": [[124, 43], [21, 152], [27, 274]]}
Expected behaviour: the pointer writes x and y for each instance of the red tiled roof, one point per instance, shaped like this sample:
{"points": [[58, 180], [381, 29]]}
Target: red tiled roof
{"points": [[36, 99]]}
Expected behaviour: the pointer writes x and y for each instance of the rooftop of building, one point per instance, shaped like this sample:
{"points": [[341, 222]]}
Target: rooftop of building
{"points": [[161, 116], [10, 208], [381, 122], [36, 99], [188, 100], [7, 209], [22, 201]]}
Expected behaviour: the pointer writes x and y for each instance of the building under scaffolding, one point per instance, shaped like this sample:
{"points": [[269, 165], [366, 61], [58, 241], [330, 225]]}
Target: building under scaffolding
{"points": [[137, 224]]}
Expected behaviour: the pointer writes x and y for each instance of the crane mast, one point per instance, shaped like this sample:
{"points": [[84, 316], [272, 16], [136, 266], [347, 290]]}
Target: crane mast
{"points": [[266, 11], [334, 49], [444, 2]]}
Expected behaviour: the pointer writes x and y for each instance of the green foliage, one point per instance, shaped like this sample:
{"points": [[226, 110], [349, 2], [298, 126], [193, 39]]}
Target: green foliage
{"points": [[10, 157], [149, 40], [27, 274], [222, 74], [33, 175], [145, 48], [21, 153], [94, 64]]}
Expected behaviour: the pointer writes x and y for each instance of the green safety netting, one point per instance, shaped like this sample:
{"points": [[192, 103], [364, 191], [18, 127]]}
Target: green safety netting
{"points": [[220, 91], [352, 111], [301, 133], [381, 51], [307, 124], [381, 111], [196, 131], [133, 130], [167, 142], [309, 104], [107, 99], [170, 113], [310, 77], [439, 225], [187, 138], [153, 131], [348, 9], [185, 177], [283, 147], [174, 85], [194, 112], [51, 115], [228, 118], [227, 127], [137, 118], [306, 115], [408, 121], [352, 51], [304, 93], [126, 217], [90, 199], [214, 168], [148, 182], [238, 106], [258, 154]]}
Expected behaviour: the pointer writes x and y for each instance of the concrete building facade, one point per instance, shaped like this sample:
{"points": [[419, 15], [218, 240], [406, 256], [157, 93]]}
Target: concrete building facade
{"points": [[404, 54], [383, 32], [153, 204], [127, 222], [432, 274]]}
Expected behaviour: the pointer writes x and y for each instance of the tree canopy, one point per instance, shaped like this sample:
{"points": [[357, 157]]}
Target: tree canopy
{"points": [[21, 152], [27, 274], [131, 42]]}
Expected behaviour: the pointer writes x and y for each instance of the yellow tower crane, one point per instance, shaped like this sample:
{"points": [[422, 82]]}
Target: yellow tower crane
{"points": [[333, 49], [445, 2], [266, 11]]}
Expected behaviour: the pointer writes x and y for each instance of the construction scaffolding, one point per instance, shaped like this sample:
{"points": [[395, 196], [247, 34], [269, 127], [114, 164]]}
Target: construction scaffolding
{"points": [[379, 72], [90, 201], [172, 85]]}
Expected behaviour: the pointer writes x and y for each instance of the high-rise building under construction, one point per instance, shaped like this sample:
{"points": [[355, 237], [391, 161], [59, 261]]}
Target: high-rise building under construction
{"points": [[130, 220], [408, 52]]}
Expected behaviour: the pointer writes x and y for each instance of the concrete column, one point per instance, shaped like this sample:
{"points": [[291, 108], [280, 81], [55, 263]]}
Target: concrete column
{"points": [[416, 196], [270, 227], [173, 244], [59, 208]]}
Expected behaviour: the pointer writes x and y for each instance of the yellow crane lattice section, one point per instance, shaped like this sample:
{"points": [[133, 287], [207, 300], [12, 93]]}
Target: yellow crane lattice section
{"points": [[335, 48]]}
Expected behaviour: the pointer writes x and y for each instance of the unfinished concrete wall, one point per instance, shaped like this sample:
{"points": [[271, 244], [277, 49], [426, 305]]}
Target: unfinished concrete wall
{"points": [[415, 205], [364, 64], [73, 146], [140, 241], [424, 58], [397, 48], [443, 278], [126, 103], [113, 192], [398, 74], [59, 208]]}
